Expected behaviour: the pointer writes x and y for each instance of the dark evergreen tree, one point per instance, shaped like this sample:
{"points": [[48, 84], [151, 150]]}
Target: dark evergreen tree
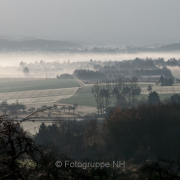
{"points": [[153, 98]]}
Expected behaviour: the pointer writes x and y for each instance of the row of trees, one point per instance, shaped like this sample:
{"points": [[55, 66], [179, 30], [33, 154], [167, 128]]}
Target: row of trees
{"points": [[69, 108], [157, 72], [137, 63], [18, 107], [12, 108], [114, 72], [84, 74], [65, 76], [165, 81], [55, 107], [170, 62], [147, 63], [124, 92]]}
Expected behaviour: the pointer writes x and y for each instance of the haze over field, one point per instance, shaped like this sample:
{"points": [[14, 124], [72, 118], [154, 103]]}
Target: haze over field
{"points": [[79, 26], [89, 89], [13, 59]]}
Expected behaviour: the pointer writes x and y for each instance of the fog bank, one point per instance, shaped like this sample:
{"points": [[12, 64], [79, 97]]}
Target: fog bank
{"points": [[13, 59]]}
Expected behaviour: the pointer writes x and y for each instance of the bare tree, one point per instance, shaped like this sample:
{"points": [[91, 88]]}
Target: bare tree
{"points": [[63, 108], [118, 92], [69, 108], [74, 107], [127, 92], [16, 146], [96, 92], [149, 88], [31, 109], [134, 89], [106, 92]]}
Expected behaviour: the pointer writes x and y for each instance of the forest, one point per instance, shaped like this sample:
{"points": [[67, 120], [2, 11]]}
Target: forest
{"points": [[145, 137]]}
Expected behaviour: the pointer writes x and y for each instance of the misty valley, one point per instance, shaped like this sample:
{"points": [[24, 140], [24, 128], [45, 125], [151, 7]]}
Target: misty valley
{"points": [[92, 111], [89, 90]]}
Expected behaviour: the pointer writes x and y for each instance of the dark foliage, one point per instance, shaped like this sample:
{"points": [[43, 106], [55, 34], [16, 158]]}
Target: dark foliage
{"points": [[89, 75], [65, 76], [165, 81]]}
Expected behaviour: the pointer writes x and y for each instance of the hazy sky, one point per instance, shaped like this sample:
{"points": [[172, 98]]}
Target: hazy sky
{"points": [[92, 20]]}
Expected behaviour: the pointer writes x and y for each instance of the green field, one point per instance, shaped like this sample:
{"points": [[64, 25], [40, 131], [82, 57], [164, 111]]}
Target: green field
{"points": [[37, 85], [83, 97], [145, 84], [86, 98]]}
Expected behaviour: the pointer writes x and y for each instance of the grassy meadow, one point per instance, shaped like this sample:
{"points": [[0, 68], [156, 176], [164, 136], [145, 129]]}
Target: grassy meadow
{"points": [[86, 98], [31, 85], [65, 91]]}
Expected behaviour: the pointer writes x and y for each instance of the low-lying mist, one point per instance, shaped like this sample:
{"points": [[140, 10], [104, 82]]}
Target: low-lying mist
{"points": [[9, 62], [175, 71], [13, 59]]}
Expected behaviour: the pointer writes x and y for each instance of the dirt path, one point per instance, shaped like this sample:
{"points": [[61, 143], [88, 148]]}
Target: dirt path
{"points": [[79, 81]]}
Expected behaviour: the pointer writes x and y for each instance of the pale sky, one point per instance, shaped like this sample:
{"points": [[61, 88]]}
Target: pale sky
{"points": [[92, 20]]}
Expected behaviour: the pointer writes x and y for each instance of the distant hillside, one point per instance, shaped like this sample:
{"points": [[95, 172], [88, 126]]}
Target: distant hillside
{"points": [[164, 48], [170, 47], [37, 44]]}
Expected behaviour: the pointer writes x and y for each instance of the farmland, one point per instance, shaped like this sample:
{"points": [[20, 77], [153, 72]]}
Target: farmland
{"points": [[37, 98], [31, 85], [36, 92], [85, 96]]}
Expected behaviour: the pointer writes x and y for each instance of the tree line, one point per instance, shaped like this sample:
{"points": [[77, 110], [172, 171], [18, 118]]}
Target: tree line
{"points": [[17, 107], [145, 136], [165, 81], [11, 108], [112, 72], [84, 74], [124, 92]]}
